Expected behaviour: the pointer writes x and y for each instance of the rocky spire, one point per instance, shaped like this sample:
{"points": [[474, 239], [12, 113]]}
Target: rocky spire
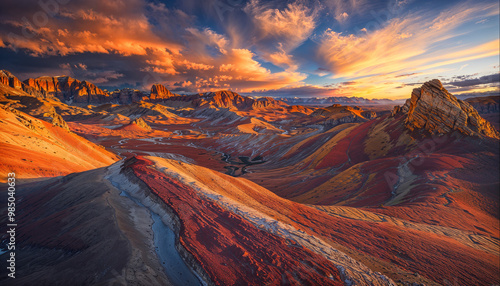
{"points": [[432, 108], [160, 92]]}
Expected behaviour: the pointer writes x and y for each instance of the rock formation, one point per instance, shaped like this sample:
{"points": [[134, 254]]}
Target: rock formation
{"points": [[56, 119], [433, 109], [336, 114], [229, 99], [128, 96], [69, 89], [160, 93], [485, 105], [9, 79], [141, 123]]}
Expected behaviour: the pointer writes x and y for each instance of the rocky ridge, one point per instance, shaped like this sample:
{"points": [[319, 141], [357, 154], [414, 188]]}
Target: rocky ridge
{"points": [[56, 119], [338, 114], [485, 105], [73, 91], [435, 110], [160, 92], [128, 96], [10, 80], [229, 99], [68, 89]]}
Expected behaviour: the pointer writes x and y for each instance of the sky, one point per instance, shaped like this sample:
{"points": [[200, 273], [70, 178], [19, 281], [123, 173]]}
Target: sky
{"points": [[302, 48]]}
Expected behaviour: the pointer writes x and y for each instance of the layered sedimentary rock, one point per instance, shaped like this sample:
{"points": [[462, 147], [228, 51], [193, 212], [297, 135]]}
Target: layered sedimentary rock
{"points": [[230, 243], [224, 99], [141, 123], [69, 89], [128, 95], [485, 105], [339, 114], [9, 79], [33, 148], [56, 119], [160, 92], [229, 99], [433, 109]]}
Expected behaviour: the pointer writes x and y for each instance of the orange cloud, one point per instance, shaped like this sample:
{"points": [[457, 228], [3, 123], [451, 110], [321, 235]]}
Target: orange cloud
{"points": [[396, 45], [239, 69], [87, 30], [192, 59]]}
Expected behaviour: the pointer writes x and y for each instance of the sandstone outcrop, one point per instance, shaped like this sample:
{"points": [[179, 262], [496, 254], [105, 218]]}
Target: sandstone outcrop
{"points": [[141, 123], [229, 99], [69, 89], [160, 93], [9, 79], [433, 109], [128, 96], [56, 119], [338, 114]]}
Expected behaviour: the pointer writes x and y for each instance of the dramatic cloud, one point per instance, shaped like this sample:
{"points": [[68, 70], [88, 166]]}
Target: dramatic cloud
{"points": [[487, 79], [342, 17], [378, 47], [83, 26], [401, 43], [278, 32], [289, 26], [96, 76]]}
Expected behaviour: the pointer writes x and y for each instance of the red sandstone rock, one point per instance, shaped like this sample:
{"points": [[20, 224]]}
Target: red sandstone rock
{"points": [[9, 79], [69, 89], [160, 92], [229, 99]]}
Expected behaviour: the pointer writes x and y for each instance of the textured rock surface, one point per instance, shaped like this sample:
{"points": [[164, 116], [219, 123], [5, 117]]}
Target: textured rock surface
{"points": [[9, 79], [69, 89], [485, 105], [229, 99], [435, 110], [339, 114], [128, 95], [56, 119], [141, 123], [160, 92]]}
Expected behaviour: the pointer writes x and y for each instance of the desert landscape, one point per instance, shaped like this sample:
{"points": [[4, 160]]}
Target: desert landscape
{"points": [[150, 143]]}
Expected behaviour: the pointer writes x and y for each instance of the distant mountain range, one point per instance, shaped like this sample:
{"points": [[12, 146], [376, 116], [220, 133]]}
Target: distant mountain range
{"points": [[324, 101], [77, 92], [253, 191]]}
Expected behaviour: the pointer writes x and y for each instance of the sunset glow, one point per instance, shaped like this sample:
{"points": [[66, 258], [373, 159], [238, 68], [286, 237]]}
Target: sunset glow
{"points": [[372, 49]]}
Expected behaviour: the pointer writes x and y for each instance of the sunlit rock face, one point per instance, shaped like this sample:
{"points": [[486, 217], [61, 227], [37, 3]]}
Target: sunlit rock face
{"points": [[229, 99], [432, 108], [160, 92], [8, 79], [141, 123], [69, 89]]}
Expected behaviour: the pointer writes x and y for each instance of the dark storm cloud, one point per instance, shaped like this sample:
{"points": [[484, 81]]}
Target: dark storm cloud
{"points": [[487, 79]]}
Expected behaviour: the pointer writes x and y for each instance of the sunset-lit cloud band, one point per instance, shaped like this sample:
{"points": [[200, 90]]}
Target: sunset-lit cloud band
{"points": [[372, 49]]}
